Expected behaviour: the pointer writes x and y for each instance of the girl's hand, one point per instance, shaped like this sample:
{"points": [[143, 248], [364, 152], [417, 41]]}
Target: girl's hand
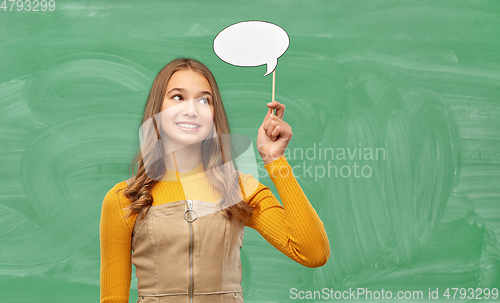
{"points": [[274, 134]]}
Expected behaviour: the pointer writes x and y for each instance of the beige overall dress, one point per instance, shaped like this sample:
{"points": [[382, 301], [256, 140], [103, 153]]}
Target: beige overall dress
{"points": [[187, 251]]}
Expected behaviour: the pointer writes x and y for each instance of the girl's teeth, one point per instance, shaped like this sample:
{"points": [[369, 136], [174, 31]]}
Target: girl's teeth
{"points": [[188, 125]]}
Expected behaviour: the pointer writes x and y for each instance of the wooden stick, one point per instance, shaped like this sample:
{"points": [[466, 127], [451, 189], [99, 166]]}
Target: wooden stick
{"points": [[274, 80]]}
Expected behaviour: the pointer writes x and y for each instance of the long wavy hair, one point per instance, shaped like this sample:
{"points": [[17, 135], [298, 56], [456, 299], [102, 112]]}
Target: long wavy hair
{"points": [[214, 151]]}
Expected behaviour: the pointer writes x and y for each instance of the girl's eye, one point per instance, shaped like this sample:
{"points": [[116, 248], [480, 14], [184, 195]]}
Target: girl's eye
{"points": [[204, 100], [177, 97]]}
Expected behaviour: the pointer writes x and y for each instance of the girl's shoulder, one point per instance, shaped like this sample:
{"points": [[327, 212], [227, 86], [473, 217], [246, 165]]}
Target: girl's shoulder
{"points": [[115, 195], [119, 188], [128, 181]]}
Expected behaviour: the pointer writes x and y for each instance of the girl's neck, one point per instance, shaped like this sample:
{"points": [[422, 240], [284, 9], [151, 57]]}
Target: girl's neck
{"points": [[186, 158]]}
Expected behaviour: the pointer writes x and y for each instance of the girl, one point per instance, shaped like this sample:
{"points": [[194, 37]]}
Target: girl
{"points": [[187, 206]]}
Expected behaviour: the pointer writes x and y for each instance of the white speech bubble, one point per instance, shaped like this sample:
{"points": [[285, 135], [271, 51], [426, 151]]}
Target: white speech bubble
{"points": [[252, 43]]}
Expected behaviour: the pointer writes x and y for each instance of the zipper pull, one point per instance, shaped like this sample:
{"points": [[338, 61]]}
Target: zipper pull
{"points": [[190, 209]]}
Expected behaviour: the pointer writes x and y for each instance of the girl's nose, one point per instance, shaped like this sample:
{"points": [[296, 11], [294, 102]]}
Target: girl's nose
{"points": [[190, 108]]}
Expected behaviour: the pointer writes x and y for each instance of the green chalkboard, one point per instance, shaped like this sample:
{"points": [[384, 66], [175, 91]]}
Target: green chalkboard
{"points": [[395, 112]]}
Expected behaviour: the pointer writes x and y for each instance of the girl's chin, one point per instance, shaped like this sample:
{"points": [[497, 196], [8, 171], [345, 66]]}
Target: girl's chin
{"points": [[184, 138], [186, 142]]}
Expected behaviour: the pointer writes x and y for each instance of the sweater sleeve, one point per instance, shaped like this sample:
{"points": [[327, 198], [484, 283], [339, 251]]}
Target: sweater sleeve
{"points": [[116, 252], [295, 228]]}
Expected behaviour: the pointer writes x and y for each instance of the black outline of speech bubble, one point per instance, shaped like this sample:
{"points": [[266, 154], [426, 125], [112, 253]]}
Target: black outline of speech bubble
{"points": [[252, 65]]}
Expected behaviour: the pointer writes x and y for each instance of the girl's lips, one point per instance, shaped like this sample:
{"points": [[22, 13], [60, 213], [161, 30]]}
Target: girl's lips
{"points": [[187, 129]]}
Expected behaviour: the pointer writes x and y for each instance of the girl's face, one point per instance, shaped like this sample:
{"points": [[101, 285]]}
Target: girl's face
{"points": [[187, 110]]}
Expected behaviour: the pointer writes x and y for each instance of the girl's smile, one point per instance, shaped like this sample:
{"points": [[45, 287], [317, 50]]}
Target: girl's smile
{"points": [[188, 126]]}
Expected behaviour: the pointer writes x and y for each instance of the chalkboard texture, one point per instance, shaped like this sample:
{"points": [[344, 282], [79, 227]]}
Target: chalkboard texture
{"points": [[395, 112]]}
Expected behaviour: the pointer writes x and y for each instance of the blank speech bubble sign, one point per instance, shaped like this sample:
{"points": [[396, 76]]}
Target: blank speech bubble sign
{"points": [[252, 43]]}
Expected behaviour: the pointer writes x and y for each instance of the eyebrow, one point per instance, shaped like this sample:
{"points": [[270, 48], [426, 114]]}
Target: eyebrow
{"points": [[184, 90]]}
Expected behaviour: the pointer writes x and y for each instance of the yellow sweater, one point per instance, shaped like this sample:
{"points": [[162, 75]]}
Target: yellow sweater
{"points": [[294, 228]]}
